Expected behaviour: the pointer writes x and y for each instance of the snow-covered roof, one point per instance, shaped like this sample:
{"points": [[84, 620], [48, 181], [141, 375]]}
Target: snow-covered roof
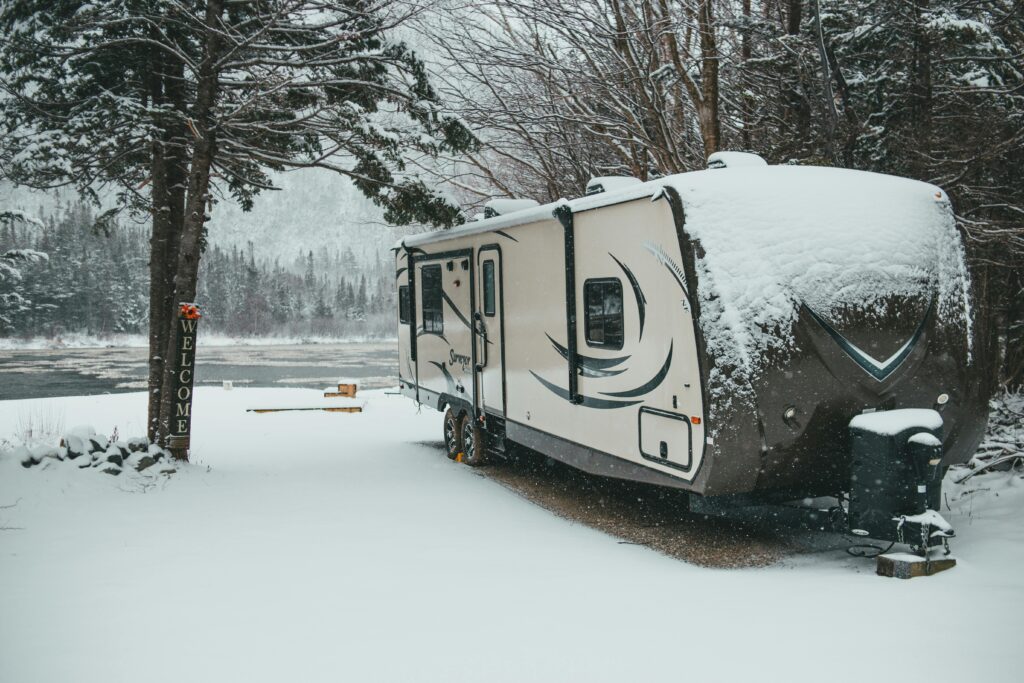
{"points": [[610, 183], [503, 206], [735, 160], [776, 237]]}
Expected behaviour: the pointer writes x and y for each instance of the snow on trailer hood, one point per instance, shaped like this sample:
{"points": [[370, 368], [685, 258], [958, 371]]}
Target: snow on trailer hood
{"points": [[773, 238]]}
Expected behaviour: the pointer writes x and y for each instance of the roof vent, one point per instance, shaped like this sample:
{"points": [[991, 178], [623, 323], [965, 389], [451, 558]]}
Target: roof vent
{"points": [[734, 160], [502, 207], [610, 183]]}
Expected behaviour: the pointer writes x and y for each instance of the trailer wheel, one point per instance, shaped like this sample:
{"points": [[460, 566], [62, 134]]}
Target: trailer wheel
{"points": [[474, 452], [453, 432]]}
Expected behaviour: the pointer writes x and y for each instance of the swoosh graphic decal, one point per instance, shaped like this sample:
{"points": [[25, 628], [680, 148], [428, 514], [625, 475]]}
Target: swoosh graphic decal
{"points": [[586, 401], [880, 370], [465, 321], [447, 376], [421, 332], [641, 300], [673, 267], [505, 235], [591, 367], [398, 273], [646, 386]]}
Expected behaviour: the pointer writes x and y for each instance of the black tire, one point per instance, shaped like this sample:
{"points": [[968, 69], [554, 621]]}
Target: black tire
{"points": [[453, 433], [474, 448]]}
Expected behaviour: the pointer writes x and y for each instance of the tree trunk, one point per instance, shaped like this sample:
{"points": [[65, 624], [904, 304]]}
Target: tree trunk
{"points": [[794, 16], [920, 94], [831, 115], [158, 269], [745, 54], [186, 265], [796, 111], [167, 198], [710, 126]]}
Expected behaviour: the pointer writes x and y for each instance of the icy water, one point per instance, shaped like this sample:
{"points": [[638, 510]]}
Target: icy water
{"points": [[76, 372]]}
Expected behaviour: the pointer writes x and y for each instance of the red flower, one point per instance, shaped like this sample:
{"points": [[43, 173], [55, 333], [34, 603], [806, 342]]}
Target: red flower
{"points": [[190, 312]]}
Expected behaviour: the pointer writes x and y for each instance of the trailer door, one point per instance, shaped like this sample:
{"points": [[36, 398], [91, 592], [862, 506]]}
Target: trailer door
{"points": [[490, 336]]}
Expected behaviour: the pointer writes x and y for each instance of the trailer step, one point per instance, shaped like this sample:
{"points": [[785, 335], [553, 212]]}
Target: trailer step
{"points": [[496, 436]]}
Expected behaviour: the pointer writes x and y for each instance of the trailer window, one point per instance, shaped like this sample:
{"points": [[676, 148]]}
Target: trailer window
{"points": [[403, 304], [489, 288], [603, 312], [433, 313]]}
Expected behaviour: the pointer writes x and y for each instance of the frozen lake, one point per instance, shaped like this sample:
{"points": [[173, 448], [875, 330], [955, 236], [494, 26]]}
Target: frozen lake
{"points": [[76, 372]]}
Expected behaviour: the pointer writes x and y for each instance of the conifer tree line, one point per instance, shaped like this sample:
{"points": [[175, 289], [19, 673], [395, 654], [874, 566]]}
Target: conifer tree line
{"points": [[318, 293], [95, 283], [559, 92], [90, 282]]}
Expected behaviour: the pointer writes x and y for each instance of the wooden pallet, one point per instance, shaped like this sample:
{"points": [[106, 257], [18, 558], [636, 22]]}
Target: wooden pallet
{"points": [[344, 391], [326, 409]]}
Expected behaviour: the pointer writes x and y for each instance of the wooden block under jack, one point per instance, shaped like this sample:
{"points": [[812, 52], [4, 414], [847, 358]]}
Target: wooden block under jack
{"points": [[344, 391], [907, 566]]}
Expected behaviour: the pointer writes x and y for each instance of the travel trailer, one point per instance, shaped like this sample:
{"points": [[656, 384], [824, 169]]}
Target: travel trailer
{"points": [[724, 331]]}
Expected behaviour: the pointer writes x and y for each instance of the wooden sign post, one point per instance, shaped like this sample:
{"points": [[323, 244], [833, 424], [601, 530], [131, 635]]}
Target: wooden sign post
{"points": [[179, 435]]}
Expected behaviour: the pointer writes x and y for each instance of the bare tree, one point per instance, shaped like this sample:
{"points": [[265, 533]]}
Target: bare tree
{"points": [[561, 92]]}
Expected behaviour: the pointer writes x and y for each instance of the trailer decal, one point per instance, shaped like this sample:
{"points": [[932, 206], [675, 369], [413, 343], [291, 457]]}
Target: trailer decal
{"points": [[459, 358], [648, 386], [591, 367], [505, 234], [458, 313], [673, 267], [452, 388], [420, 332], [880, 370], [585, 401], [641, 300]]}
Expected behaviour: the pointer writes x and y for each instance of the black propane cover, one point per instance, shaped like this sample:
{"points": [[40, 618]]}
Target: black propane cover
{"points": [[892, 475]]}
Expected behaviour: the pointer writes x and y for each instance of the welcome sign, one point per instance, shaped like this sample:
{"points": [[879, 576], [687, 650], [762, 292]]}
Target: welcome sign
{"points": [[181, 416]]}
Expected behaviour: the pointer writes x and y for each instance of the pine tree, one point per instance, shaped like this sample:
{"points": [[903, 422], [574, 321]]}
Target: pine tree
{"points": [[197, 100]]}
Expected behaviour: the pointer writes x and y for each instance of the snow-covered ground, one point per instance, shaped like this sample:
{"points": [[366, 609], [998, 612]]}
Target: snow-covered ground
{"points": [[346, 547]]}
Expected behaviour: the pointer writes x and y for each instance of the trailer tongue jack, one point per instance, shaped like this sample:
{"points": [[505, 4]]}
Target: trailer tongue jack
{"points": [[896, 479]]}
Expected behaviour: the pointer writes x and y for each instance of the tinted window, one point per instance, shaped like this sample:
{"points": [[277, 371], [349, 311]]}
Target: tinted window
{"points": [[603, 312], [403, 304], [489, 288], [433, 313]]}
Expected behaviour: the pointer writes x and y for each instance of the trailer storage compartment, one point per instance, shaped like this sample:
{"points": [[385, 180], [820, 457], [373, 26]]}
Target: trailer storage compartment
{"points": [[665, 437]]}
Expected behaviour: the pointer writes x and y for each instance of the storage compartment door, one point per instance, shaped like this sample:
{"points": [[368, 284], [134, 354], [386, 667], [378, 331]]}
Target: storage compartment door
{"points": [[665, 438]]}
